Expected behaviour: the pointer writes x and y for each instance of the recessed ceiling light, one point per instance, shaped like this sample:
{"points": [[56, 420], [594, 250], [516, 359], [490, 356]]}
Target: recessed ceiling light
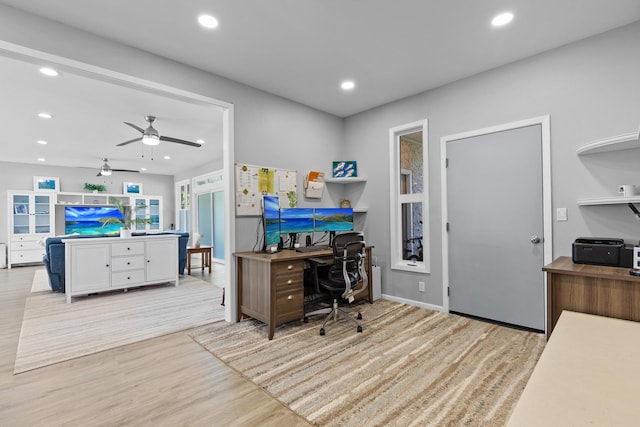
{"points": [[143, 169], [200, 141], [167, 157], [41, 159], [44, 115], [502, 19], [347, 85], [208, 21], [48, 71], [42, 142]]}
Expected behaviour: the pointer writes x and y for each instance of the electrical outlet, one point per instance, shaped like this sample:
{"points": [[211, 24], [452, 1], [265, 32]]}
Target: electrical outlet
{"points": [[421, 286]]}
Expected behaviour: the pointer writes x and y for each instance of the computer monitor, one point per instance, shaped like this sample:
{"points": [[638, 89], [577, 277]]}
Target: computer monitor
{"points": [[271, 220], [333, 219], [296, 220]]}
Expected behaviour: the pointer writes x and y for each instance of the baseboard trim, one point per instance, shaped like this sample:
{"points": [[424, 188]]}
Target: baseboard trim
{"points": [[413, 303]]}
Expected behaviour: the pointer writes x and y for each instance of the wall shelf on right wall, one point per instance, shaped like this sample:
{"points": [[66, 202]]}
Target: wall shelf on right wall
{"points": [[627, 141]]}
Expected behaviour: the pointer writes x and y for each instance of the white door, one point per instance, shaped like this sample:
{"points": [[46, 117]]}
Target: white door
{"points": [[90, 268], [162, 259], [496, 226]]}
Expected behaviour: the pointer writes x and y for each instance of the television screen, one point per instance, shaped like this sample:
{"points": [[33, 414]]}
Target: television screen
{"points": [[296, 220], [271, 217], [86, 220], [333, 219]]}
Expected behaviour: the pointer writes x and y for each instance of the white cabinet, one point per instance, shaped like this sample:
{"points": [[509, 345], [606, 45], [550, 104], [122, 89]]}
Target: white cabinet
{"points": [[147, 207], [110, 263], [31, 220]]}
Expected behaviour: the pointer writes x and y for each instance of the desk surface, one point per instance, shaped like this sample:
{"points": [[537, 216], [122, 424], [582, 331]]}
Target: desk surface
{"points": [[588, 374], [565, 265], [283, 255]]}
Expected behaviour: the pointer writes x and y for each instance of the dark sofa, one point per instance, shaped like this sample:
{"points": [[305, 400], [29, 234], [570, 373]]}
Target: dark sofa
{"points": [[54, 255]]}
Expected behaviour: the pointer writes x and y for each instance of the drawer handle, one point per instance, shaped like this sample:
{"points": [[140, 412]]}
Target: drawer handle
{"points": [[128, 278], [128, 263], [290, 297], [289, 267], [289, 282], [128, 249], [107, 265]]}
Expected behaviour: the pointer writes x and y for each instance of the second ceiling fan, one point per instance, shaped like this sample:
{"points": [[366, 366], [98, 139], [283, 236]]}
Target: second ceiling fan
{"points": [[106, 170], [150, 135]]}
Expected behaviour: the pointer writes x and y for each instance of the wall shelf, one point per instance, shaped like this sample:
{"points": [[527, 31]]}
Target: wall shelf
{"points": [[609, 201], [345, 180], [615, 143]]}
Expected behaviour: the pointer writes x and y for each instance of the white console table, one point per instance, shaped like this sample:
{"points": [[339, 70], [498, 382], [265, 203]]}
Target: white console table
{"points": [[109, 263]]}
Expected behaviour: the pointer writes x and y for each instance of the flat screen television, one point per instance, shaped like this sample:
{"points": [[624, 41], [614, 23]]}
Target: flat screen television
{"points": [[86, 220], [271, 218], [296, 220], [333, 219]]}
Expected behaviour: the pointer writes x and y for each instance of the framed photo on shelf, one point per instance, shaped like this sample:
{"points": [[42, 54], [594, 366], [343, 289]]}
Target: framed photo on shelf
{"points": [[132, 188], [345, 169], [20, 209], [46, 183]]}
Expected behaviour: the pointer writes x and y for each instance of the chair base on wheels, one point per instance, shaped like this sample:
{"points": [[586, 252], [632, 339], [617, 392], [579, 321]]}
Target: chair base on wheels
{"points": [[334, 312]]}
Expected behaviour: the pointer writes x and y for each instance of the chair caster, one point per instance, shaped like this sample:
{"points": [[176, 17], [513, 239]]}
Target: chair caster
{"points": [[359, 316], [321, 331], [359, 328], [305, 320]]}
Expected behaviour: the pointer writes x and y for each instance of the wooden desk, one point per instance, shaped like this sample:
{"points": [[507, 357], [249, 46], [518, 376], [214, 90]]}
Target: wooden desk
{"points": [[593, 289], [271, 286], [587, 375], [206, 257]]}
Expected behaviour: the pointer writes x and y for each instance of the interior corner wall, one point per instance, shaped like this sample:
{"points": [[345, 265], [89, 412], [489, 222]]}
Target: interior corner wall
{"points": [[591, 91], [269, 130]]}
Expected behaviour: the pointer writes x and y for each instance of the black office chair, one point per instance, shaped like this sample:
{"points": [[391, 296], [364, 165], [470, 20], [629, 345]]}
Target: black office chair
{"points": [[346, 278]]}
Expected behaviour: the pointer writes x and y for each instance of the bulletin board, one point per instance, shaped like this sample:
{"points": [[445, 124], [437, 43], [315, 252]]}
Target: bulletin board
{"points": [[252, 182]]}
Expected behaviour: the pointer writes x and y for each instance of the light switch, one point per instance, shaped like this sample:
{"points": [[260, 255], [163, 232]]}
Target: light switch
{"points": [[561, 214]]}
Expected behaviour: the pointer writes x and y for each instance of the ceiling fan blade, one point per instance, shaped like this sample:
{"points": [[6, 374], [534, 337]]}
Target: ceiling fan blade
{"points": [[99, 173], [138, 128], [179, 141], [128, 142], [125, 170]]}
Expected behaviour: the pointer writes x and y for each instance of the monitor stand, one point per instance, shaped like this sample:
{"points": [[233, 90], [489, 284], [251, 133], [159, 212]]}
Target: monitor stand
{"points": [[293, 239]]}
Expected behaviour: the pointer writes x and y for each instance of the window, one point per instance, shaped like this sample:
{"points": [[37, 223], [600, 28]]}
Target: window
{"points": [[409, 195]]}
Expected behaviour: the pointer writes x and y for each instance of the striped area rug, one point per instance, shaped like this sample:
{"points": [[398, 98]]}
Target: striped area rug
{"points": [[410, 366]]}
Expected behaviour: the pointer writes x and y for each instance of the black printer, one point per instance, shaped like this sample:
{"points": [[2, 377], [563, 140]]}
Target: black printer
{"points": [[602, 251]]}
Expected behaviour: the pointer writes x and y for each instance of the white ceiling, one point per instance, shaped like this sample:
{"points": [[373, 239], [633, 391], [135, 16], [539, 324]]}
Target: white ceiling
{"points": [[303, 49]]}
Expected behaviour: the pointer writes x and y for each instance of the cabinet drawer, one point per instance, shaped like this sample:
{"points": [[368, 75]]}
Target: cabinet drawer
{"points": [[289, 306], [290, 282], [281, 268], [127, 248], [25, 245], [127, 263], [34, 255], [124, 278]]}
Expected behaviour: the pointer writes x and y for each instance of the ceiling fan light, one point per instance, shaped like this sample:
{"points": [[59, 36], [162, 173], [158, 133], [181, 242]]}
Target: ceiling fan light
{"points": [[106, 170], [150, 140]]}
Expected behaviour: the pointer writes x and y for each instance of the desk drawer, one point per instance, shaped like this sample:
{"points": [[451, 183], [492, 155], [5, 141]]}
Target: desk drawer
{"points": [[286, 268], [289, 306], [289, 282]]}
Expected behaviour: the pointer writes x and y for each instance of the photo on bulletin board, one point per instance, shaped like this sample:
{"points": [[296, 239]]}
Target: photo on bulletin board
{"points": [[345, 169], [132, 188]]}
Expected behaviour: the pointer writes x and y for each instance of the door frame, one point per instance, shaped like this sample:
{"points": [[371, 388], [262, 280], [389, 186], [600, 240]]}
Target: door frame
{"points": [[544, 122]]}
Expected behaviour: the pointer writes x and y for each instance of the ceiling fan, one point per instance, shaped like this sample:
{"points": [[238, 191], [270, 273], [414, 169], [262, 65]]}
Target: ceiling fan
{"points": [[150, 135], [106, 170]]}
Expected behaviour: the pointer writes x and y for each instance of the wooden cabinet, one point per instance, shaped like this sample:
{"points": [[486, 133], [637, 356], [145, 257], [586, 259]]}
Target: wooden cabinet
{"points": [[31, 220], [104, 264], [592, 289]]}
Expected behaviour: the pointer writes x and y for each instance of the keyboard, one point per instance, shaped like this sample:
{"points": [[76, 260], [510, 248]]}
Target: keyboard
{"points": [[315, 248]]}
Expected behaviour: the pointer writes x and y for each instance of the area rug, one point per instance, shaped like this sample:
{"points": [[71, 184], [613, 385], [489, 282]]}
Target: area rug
{"points": [[54, 331], [40, 282], [410, 366]]}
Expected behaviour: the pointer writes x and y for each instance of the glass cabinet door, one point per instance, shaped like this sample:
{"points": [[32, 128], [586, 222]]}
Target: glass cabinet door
{"points": [[42, 213], [20, 214], [154, 214], [140, 212]]}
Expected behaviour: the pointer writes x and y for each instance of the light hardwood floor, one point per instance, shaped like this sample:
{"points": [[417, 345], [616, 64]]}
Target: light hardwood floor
{"points": [[168, 381]]}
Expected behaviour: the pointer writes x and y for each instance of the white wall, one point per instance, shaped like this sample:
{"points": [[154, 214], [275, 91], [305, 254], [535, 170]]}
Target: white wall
{"points": [[16, 176], [591, 89], [269, 130]]}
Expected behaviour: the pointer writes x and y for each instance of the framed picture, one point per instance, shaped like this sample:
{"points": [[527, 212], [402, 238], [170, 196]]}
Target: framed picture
{"points": [[345, 169], [20, 209], [132, 188], [46, 183]]}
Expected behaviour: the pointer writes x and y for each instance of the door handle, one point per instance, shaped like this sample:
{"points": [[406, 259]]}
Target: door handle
{"points": [[535, 239]]}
